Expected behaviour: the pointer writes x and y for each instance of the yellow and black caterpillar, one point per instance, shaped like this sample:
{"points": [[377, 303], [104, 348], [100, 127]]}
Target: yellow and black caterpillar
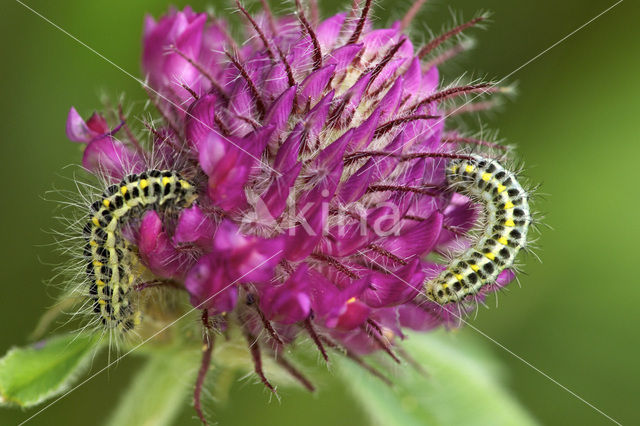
{"points": [[507, 221], [110, 261]]}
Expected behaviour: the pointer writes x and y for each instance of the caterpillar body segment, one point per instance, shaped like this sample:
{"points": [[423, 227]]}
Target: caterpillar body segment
{"points": [[507, 222], [110, 259]]}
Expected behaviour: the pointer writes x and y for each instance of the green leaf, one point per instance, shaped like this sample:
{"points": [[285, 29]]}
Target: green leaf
{"points": [[29, 376], [461, 386], [159, 391]]}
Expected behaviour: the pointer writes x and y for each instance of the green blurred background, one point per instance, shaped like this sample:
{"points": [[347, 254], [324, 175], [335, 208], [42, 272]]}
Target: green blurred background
{"points": [[575, 315]]}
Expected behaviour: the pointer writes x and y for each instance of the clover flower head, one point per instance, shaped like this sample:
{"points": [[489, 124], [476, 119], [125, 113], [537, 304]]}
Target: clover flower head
{"points": [[318, 151]]}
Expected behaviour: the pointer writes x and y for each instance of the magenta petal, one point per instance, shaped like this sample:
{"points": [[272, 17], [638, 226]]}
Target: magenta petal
{"points": [[421, 318], [344, 56], [111, 158], [277, 81], [376, 40], [354, 314], [346, 239], [430, 81], [228, 169], [339, 309], [77, 129], [166, 69], [275, 199], [230, 195], [328, 31], [287, 155], [242, 101], [459, 217], [200, 120], [331, 156], [190, 40], [98, 124], [156, 250], [413, 77], [382, 220], [503, 280], [317, 117], [394, 289], [363, 135], [354, 95], [289, 302], [278, 115], [247, 258], [211, 152], [209, 286], [314, 84], [303, 238], [387, 73], [358, 341], [327, 170], [417, 240], [149, 26], [505, 277], [461, 213], [235, 258], [194, 227], [389, 104], [356, 186]]}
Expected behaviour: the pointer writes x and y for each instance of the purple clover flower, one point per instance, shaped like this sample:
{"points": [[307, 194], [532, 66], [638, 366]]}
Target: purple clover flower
{"points": [[318, 150]]}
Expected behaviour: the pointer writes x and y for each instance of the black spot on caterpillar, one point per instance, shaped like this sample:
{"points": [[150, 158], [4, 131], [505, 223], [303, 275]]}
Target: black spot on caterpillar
{"points": [[508, 218], [110, 260]]}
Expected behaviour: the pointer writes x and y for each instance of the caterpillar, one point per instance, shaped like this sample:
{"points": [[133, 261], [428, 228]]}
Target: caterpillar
{"points": [[110, 259], [508, 218]]}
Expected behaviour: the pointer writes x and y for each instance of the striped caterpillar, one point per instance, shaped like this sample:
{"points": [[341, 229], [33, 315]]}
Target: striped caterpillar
{"points": [[111, 262], [508, 219]]}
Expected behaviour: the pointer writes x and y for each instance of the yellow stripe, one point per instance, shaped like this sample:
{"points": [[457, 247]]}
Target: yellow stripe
{"points": [[166, 180], [486, 177], [144, 183], [508, 205], [469, 168], [102, 302], [95, 221], [509, 223], [459, 277], [123, 189], [503, 241], [106, 202], [100, 283], [474, 267], [501, 188], [490, 256], [93, 243]]}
